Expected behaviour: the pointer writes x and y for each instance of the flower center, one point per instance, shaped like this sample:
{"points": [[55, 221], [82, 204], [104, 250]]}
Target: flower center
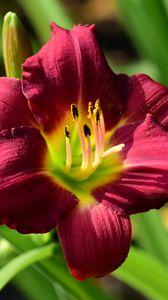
{"points": [[85, 158], [93, 150]]}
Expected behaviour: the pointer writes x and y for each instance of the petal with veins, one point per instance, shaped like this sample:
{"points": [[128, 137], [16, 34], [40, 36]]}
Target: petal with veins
{"points": [[143, 185], [95, 240], [30, 200], [141, 95], [14, 110], [69, 68]]}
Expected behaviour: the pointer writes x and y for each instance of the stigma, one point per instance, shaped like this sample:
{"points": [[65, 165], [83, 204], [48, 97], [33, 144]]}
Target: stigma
{"points": [[92, 137]]}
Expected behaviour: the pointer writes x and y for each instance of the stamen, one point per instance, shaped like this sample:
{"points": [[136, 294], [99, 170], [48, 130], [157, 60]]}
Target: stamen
{"points": [[68, 149], [75, 115], [101, 125], [96, 125], [94, 117], [88, 164], [87, 132]]}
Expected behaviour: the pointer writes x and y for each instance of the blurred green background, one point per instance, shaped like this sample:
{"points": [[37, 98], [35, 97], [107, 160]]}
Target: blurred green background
{"points": [[134, 37]]}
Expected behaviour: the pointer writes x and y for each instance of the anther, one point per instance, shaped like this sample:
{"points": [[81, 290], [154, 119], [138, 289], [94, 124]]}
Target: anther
{"points": [[67, 133], [87, 130], [74, 111], [97, 115]]}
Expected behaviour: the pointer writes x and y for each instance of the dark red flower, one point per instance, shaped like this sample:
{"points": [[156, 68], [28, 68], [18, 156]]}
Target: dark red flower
{"points": [[88, 150]]}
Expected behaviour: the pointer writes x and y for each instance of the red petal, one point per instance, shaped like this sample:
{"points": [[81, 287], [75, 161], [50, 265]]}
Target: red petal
{"points": [[95, 240], [144, 184], [142, 95], [14, 110], [69, 68], [31, 201]]}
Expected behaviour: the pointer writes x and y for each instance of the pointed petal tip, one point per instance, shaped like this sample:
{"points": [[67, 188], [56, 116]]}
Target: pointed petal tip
{"points": [[55, 27], [76, 69]]}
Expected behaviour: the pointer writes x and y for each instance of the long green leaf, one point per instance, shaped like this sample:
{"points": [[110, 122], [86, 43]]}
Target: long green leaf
{"points": [[147, 24], [146, 274], [42, 12], [23, 261], [55, 269], [41, 287]]}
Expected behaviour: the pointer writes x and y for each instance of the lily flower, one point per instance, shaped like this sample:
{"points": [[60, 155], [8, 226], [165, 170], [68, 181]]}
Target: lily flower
{"points": [[81, 149]]}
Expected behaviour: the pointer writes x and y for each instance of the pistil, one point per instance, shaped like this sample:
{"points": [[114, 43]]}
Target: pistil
{"points": [[113, 149]]}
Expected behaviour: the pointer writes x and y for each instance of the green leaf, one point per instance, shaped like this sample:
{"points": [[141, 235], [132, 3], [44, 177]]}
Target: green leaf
{"points": [[24, 260], [144, 273], [140, 66], [55, 269], [48, 10], [147, 24], [151, 234], [41, 287]]}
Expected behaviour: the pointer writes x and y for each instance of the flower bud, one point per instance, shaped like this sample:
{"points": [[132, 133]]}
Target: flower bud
{"points": [[16, 45], [6, 252], [41, 239]]}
